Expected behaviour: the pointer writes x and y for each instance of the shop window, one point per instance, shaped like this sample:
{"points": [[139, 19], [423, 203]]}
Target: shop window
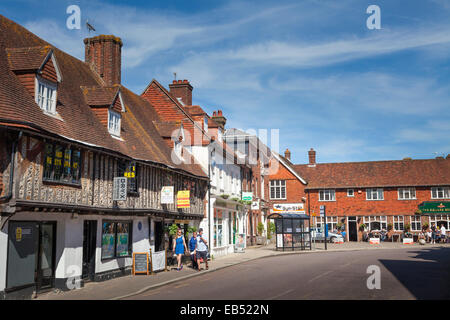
{"points": [[116, 239], [398, 223], [62, 164], [128, 170], [218, 232], [416, 224], [375, 222]]}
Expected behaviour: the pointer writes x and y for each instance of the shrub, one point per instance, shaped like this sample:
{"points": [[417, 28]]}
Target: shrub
{"points": [[260, 228]]}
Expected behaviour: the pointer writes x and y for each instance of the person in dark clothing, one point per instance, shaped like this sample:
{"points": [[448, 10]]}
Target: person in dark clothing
{"points": [[433, 234], [192, 250]]}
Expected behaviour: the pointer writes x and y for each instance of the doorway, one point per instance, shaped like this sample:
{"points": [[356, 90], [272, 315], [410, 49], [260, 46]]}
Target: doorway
{"points": [[159, 236], [89, 248], [31, 254], [352, 229]]}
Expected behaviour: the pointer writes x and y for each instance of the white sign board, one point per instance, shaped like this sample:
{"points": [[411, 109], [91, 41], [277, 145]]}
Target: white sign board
{"points": [[120, 189], [289, 207], [255, 205], [279, 241], [247, 196], [167, 195], [158, 260], [408, 241], [374, 240]]}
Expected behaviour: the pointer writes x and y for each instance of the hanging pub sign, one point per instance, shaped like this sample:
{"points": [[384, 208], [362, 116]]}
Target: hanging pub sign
{"points": [[255, 205], [247, 196], [167, 195], [435, 207], [120, 189], [183, 199]]}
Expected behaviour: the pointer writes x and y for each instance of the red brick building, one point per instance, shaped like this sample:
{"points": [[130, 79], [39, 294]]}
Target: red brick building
{"points": [[375, 194]]}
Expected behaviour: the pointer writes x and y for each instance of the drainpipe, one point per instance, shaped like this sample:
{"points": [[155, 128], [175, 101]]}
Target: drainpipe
{"points": [[11, 177]]}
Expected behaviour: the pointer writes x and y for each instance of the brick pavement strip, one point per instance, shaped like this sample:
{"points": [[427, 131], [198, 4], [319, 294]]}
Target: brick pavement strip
{"points": [[128, 286]]}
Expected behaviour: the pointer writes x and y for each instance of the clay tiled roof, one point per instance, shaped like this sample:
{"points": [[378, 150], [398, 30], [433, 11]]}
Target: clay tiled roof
{"points": [[165, 128], [397, 173], [194, 110], [27, 58], [140, 138], [99, 95]]}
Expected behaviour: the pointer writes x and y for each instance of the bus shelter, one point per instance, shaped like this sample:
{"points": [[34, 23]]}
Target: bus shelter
{"points": [[292, 231]]}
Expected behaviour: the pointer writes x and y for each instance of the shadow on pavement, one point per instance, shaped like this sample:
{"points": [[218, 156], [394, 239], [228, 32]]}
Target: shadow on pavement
{"points": [[429, 279]]}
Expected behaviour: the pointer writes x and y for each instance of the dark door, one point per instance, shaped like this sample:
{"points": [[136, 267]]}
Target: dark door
{"points": [[23, 243], [89, 248], [352, 231], [45, 273], [159, 236]]}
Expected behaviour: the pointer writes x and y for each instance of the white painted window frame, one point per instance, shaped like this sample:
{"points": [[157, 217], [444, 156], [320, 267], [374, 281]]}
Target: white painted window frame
{"points": [[331, 195], [278, 184], [42, 98], [410, 191], [372, 191], [436, 190], [113, 125]]}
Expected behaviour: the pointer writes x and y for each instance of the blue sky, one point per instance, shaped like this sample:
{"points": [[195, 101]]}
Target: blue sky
{"points": [[311, 69]]}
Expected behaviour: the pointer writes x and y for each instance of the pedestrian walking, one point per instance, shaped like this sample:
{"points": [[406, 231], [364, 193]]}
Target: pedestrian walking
{"points": [[192, 250], [179, 245], [202, 250]]}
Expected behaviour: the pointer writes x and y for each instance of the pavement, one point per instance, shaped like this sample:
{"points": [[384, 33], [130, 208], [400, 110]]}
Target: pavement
{"points": [[128, 286]]}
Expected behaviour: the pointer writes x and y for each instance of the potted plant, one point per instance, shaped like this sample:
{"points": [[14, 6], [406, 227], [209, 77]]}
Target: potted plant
{"points": [[260, 229], [173, 228], [425, 226], [362, 227], [389, 227], [235, 199], [224, 196]]}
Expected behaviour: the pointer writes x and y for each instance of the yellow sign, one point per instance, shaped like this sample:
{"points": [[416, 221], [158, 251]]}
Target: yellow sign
{"points": [[182, 221], [183, 197], [18, 234]]}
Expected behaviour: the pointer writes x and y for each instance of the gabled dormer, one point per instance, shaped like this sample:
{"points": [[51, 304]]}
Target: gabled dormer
{"points": [[37, 69], [107, 105]]}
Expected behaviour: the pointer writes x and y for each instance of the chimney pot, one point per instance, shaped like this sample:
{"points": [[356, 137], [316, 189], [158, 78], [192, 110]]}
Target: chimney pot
{"points": [[287, 154], [185, 81], [312, 156]]}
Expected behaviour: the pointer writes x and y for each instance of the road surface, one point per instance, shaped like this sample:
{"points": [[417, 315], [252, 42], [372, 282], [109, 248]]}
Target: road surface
{"points": [[409, 273]]}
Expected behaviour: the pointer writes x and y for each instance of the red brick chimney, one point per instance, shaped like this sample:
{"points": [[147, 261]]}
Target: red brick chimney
{"points": [[219, 119], [182, 89], [104, 54], [287, 154], [312, 156]]}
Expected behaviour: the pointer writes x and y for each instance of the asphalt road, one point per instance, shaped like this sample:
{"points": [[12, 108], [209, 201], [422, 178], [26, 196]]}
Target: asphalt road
{"points": [[404, 274]]}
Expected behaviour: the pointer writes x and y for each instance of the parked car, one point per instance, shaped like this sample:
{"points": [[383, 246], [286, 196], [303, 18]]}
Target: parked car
{"points": [[319, 235]]}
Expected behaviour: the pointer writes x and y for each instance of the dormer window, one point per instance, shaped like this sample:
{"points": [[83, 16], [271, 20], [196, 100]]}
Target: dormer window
{"points": [[114, 123], [46, 95]]}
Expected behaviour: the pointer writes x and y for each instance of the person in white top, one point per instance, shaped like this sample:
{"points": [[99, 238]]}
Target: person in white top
{"points": [[443, 231]]}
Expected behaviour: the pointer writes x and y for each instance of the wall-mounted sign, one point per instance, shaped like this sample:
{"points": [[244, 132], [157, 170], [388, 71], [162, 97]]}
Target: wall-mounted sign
{"points": [[435, 207], [167, 195], [183, 199], [120, 189], [247, 196], [255, 205], [18, 234], [289, 207]]}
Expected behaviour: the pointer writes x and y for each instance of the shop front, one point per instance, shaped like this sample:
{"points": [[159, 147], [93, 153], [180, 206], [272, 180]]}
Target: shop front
{"points": [[438, 212]]}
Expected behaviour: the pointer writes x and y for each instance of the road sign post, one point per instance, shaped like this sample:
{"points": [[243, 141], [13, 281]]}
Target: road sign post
{"points": [[323, 213]]}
